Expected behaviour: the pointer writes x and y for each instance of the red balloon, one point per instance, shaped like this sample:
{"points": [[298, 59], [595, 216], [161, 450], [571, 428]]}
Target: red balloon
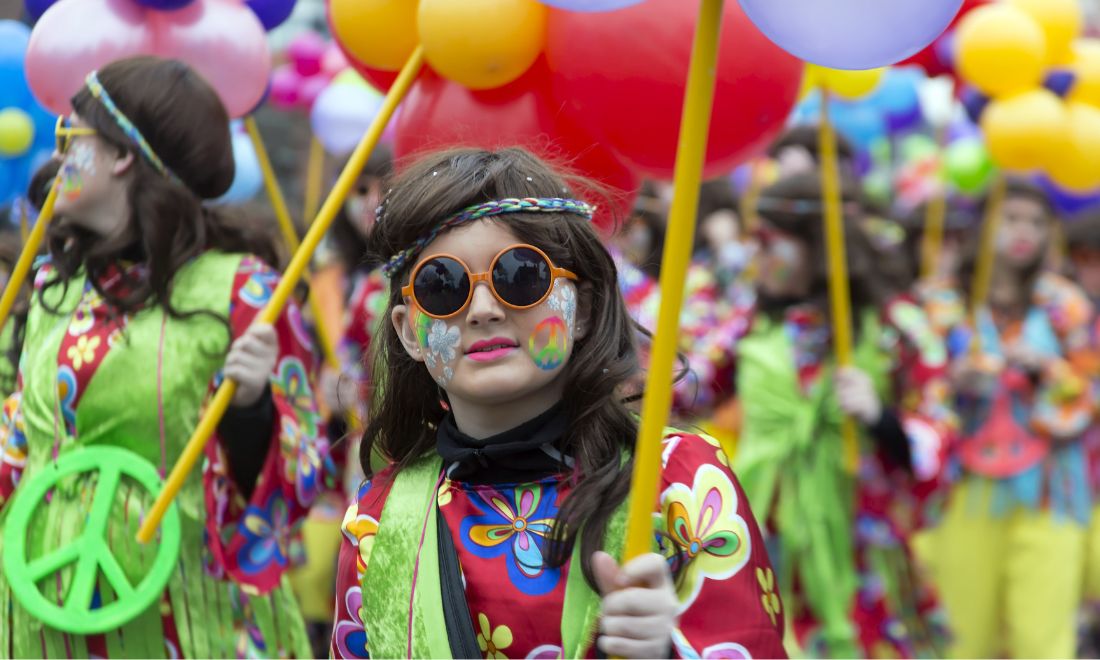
{"points": [[439, 113], [931, 58], [74, 38], [622, 76]]}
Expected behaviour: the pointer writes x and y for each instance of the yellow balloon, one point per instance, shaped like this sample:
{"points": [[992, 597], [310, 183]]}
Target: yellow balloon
{"points": [[16, 132], [843, 83], [1086, 71], [379, 33], [461, 46], [1000, 50], [1061, 22], [1026, 131], [1077, 168]]}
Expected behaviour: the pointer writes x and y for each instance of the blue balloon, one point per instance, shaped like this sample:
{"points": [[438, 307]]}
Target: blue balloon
{"points": [[164, 5], [14, 37], [974, 102], [35, 8], [860, 123], [248, 178], [591, 5], [1060, 81], [272, 13], [896, 97]]}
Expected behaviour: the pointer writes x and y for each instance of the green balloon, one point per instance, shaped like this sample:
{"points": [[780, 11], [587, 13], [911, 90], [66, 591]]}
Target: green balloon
{"points": [[917, 147], [16, 132], [967, 166]]}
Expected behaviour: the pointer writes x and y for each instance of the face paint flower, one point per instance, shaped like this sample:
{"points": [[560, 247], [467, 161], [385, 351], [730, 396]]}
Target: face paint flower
{"points": [[443, 341]]}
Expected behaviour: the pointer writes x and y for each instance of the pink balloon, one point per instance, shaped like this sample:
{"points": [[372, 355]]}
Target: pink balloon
{"points": [[222, 40], [334, 61], [74, 38], [285, 86], [310, 89], [306, 52]]}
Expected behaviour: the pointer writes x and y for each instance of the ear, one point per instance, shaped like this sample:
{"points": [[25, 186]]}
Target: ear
{"points": [[583, 323], [403, 320], [122, 163]]}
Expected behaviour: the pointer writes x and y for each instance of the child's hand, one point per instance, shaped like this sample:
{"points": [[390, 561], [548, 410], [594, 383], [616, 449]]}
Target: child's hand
{"points": [[856, 396], [251, 361], [638, 608]]}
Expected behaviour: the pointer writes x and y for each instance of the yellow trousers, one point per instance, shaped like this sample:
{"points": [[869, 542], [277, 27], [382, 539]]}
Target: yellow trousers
{"points": [[1011, 584]]}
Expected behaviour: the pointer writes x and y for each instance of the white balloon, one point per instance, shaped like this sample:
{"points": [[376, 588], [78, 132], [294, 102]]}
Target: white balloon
{"points": [[341, 114]]}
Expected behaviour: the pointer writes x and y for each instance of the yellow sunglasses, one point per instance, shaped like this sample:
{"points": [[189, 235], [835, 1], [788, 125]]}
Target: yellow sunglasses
{"points": [[64, 132]]}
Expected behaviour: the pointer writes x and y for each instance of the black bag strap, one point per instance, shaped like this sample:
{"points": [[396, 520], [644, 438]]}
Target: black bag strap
{"points": [[456, 611]]}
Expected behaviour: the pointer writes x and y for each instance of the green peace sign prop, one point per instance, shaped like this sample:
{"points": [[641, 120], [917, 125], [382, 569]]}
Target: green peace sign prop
{"points": [[90, 550]]}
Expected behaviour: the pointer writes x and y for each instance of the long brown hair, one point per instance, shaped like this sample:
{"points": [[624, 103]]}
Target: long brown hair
{"points": [[601, 430], [186, 125], [794, 205]]}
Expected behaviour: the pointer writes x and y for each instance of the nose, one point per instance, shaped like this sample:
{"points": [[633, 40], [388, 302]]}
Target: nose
{"points": [[484, 306]]}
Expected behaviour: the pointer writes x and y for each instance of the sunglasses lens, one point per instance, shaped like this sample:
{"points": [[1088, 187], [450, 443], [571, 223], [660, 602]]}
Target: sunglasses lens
{"points": [[521, 277], [441, 286]]}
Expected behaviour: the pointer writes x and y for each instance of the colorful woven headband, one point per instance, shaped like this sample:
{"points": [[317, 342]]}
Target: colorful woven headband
{"points": [[127, 126], [485, 210]]}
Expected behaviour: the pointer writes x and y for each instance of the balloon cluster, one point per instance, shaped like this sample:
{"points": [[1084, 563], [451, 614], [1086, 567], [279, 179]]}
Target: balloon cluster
{"points": [[1037, 96], [26, 128], [222, 39], [312, 63], [569, 79]]}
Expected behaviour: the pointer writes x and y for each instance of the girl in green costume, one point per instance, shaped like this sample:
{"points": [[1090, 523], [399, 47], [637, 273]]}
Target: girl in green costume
{"points": [[144, 304], [839, 531], [494, 530]]}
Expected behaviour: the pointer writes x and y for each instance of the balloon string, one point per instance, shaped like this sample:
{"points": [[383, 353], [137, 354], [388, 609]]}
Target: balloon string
{"points": [[935, 218], [690, 154], [26, 257], [220, 402], [983, 270], [839, 294], [314, 177]]}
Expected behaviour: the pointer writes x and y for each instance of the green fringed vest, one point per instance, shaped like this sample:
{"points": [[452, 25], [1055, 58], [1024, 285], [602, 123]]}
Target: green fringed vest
{"points": [[120, 407], [790, 462], [388, 595]]}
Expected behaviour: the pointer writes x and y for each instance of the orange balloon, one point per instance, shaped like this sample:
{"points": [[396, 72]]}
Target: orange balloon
{"points": [[1026, 131], [1000, 50], [380, 34], [460, 46], [1077, 168]]}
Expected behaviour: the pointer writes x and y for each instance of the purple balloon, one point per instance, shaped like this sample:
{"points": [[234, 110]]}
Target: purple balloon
{"points": [[1068, 204], [272, 13], [1060, 81], [590, 5], [164, 5], [974, 102], [852, 34], [35, 8]]}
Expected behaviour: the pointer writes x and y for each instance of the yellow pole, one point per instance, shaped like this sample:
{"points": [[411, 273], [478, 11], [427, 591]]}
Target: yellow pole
{"points": [[26, 257], [207, 425], [290, 234], [839, 294], [315, 169], [983, 269], [935, 219], [278, 202], [691, 150]]}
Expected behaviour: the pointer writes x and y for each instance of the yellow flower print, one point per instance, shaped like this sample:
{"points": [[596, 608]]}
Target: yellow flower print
{"points": [[83, 352], [445, 494], [360, 530], [709, 538], [769, 598], [493, 641]]}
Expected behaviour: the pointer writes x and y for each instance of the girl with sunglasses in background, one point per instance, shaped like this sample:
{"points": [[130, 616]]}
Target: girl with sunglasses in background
{"points": [[838, 530], [144, 304], [494, 529]]}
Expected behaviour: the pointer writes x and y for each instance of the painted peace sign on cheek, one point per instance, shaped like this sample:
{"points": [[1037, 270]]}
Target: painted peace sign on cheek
{"points": [[90, 551], [548, 343]]}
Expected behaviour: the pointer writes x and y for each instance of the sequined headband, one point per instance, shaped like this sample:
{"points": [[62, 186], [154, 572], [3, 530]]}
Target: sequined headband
{"points": [[127, 126], [485, 210]]}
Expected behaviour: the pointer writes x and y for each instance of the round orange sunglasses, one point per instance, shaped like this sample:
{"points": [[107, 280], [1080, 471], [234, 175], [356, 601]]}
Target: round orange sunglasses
{"points": [[520, 276]]}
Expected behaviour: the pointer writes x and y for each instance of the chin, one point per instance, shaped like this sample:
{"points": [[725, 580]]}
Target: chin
{"points": [[500, 386]]}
